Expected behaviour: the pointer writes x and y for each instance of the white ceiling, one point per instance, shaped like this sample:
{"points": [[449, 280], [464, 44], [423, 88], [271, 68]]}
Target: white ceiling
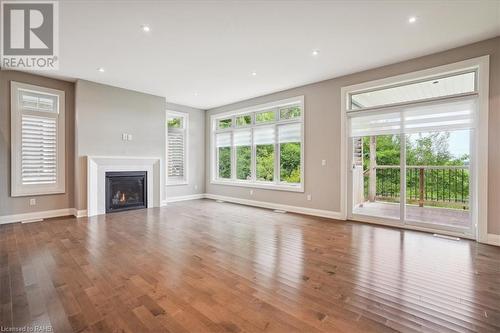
{"points": [[202, 53]]}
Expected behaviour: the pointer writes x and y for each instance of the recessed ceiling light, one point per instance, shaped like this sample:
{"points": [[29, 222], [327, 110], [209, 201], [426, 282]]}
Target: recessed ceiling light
{"points": [[145, 28], [412, 19], [254, 73], [100, 69], [196, 93], [315, 52]]}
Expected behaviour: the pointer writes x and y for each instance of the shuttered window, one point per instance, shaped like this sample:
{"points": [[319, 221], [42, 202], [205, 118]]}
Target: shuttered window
{"points": [[37, 120], [176, 148]]}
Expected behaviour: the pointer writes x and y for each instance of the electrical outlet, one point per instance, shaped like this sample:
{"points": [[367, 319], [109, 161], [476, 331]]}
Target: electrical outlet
{"points": [[196, 187], [309, 197], [33, 202], [323, 162], [251, 192]]}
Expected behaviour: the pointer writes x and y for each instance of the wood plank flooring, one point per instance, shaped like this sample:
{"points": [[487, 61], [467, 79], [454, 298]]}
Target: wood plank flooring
{"points": [[203, 266]]}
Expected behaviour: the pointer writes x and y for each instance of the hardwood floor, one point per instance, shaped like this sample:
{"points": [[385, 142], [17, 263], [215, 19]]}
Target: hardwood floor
{"points": [[203, 266]]}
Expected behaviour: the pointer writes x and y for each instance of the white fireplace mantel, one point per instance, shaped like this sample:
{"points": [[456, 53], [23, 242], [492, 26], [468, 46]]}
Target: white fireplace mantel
{"points": [[97, 166]]}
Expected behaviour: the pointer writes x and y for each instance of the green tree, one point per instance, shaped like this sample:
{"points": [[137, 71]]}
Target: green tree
{"points": [[265, 162], [243, 160], [422, 149], [290, 162], [225, 162]]}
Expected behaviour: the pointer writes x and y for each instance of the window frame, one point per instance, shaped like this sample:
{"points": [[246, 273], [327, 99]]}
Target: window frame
{"points": [[185, 130], [18, 189], [396, 84], [276, 184]]}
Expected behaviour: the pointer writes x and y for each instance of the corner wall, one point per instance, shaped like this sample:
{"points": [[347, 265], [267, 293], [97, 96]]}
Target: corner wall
{"points": [[102, 114]]}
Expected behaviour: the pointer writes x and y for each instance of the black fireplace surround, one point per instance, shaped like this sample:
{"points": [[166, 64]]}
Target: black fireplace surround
{"points": [[126, 190]]}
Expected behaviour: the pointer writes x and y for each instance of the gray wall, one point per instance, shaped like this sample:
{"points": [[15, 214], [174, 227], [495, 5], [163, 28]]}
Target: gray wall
{"points": [[18, 205], [196, 153], [102, 114], [322, 131]]}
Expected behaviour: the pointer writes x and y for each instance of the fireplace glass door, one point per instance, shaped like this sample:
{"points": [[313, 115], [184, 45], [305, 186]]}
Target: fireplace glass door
{"points": [[126, 190]]}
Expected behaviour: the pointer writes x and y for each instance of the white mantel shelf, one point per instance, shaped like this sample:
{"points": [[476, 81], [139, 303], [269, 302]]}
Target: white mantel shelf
{"points": [[97, 166]]}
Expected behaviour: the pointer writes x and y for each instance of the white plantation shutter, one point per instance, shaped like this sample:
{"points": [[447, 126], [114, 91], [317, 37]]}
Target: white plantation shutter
{"points": [[177, 148], [37, 120], [176, 154], [39, 150]]}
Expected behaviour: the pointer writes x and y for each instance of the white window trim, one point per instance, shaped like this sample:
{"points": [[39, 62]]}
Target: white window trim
{"points": [[276, 185], [17, 188], [185, 180], [479, 208]]}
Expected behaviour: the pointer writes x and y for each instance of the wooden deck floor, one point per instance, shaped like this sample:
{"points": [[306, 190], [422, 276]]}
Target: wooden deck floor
{"points": [[202, 266], [433, 215]]}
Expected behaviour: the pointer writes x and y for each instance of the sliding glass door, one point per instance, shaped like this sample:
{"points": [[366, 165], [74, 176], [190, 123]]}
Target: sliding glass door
{"points": [[376, 176], [417, 150], [438, 179]]}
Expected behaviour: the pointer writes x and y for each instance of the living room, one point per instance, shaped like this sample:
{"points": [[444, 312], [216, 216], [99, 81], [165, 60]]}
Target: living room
{"points": [[234, 166]]}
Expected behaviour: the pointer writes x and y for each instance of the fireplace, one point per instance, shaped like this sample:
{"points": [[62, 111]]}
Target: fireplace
{"points": [[126, 190]]}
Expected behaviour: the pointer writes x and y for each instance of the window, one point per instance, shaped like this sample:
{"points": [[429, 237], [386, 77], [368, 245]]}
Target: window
{"points": [[265, 117], [441, 86], [177, 125], [264, 153], [243, 144], [289, 138], [224, 123], [244, 120], [260, 146], [223, 155], [38, 143]]}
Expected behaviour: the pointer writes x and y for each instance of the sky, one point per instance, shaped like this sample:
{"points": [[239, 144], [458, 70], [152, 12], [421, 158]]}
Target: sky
{"points": [[459, 142]]}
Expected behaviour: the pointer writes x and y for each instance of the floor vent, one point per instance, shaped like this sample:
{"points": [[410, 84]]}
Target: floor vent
{"points": [[279, 211], [446, 237]]}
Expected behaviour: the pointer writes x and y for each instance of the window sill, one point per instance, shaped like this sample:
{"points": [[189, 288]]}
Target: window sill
{"points": [[35, 192], [179, 183], [262, 185]]}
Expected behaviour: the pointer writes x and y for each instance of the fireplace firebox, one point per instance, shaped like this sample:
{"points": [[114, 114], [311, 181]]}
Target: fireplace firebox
{"points": [[126, 190]]}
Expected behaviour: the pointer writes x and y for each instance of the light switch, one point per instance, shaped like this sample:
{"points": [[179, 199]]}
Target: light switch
{"points": [[309, 197], [323, 162], [129, 137], [124, 136], [33, 202], [251, 192]]}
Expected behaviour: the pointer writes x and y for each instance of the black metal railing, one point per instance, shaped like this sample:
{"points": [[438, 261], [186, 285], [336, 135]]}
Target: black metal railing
{"points": [[446, 186]]}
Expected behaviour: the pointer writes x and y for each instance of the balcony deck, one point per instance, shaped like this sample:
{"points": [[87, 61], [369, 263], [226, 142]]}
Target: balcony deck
{"points": [[434, 215]]}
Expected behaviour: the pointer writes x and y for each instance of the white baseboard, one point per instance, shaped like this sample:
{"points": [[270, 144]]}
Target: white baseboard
{"points": [[36, 215], [493, 239], [79, 213], [186, 197], [269, 205]]}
